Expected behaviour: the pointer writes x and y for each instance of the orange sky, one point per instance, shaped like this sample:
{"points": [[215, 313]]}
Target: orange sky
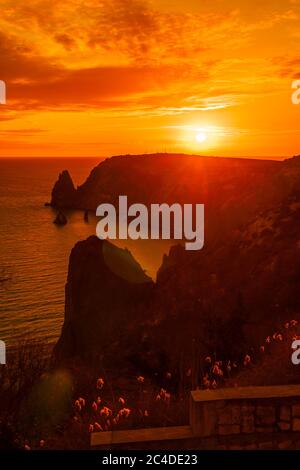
{"points": [[132, 76]]}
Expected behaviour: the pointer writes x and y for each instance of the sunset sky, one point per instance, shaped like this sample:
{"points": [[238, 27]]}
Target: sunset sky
{"points": [[131, 76]]}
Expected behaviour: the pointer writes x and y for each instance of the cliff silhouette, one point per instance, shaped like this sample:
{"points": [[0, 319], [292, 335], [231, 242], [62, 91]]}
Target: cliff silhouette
{"points": [[104, 293], [221, 300], [232, 189]]}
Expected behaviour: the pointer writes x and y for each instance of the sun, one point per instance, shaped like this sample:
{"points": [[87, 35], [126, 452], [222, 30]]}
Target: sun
{"points": [[200, 137]]}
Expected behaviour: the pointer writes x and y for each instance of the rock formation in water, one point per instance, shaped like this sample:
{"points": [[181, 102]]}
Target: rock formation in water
{"points": [[104, 293], [60, 219], [64, 192]]}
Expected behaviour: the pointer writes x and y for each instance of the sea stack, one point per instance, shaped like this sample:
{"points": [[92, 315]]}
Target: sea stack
{"points": [[60, 219], [63, 193]]}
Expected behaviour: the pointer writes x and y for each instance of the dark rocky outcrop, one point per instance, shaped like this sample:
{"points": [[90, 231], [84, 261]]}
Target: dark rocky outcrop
{"points": [[232, 189], [63, 193], [174, 178], [60, 219], [104, 292], [222, 299]]}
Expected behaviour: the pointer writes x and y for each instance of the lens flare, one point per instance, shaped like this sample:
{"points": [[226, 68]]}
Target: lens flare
{"points": [[201, 137]]}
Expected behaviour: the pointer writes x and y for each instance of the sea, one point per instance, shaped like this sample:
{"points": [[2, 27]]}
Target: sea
{"points": [[34, 251]]}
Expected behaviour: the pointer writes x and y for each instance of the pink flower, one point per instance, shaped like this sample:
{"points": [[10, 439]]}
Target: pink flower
{"points": [[82, 401], [214, 384], [94, 406], [167, 397], [99, 383], [105, 411], [124, 412], [121, 401], [247, 360], [140, 379], [91, 428], [77, 405], [98, 427], [217, 370], [206, 381], [164, 395]]}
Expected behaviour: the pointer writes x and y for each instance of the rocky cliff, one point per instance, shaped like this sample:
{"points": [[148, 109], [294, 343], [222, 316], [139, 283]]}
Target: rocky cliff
{"points": [[223, 299], [103, 296], [171, 178], [232, 189]]}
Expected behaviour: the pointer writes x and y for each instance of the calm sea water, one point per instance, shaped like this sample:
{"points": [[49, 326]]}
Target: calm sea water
{"points": [[34, 251]]}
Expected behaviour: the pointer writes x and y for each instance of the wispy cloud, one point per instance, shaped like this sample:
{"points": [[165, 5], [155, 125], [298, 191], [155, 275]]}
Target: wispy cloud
{"points": [[158, 60]]}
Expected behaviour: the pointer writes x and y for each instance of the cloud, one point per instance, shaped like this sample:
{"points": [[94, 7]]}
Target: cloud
{"points": [[287, 67], [133, 58], [21, 132], [100, 87]]}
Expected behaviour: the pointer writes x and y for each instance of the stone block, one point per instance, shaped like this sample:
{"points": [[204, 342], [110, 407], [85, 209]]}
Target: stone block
{"points": [[250, 447], [248, 425], [228, 429], [264, 429], [285, 445], [230, 414], [296, 410], [285, 413], [203, 418], [284, 426], [265, 445], [296, 424], [247, 409], [265, 415]]}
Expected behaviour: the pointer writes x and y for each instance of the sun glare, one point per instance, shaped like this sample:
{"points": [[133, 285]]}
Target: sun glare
{"points": [[200, 137]]}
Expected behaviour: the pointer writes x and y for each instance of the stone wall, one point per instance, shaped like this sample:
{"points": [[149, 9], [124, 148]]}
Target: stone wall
{"points": [[226, 419], [250, 415]]}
